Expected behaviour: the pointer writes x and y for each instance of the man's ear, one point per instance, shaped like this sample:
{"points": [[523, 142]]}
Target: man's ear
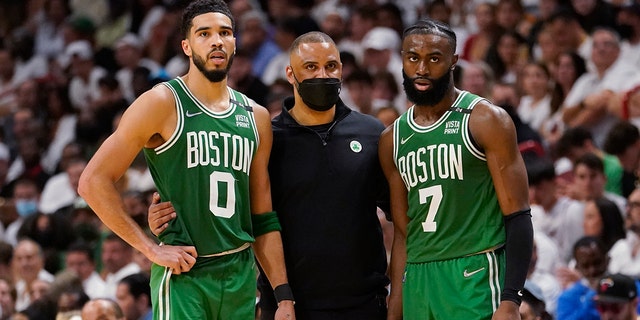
{"points": [[186, 48], [143, 301], [289, 71]]}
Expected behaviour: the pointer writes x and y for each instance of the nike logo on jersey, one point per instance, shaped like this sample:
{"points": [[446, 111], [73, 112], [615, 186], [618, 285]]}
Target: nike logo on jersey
{"points": [[467, 274], [404, 140], [189, 115]]}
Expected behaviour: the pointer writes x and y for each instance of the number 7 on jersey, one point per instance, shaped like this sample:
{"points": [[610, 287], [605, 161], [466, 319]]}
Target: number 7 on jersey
{"points": [[435, 192]]}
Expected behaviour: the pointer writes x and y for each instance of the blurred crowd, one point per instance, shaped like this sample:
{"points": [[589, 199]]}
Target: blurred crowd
{"points": [[567, 71]]}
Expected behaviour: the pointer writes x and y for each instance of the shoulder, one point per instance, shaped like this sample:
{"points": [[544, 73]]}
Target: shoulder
{"points": [[584, 80], [159, 94], [150, 111], [491, 125], [490, 116], [620, 249], [386, 137], [261, 115], [572, 208]]}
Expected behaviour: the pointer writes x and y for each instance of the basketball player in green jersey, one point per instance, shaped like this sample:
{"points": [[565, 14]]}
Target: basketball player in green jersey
{"points": [[201, 140], [459, 198]]}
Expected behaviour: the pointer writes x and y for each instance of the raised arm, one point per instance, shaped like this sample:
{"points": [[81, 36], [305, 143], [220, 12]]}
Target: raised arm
{"points": [[493, 130], [149, 118], [399, 206], [589, 111], [268, 245]]}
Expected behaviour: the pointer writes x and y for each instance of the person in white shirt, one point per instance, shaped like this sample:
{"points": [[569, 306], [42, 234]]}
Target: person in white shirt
{"points": [[558, 217], [49, 35], [26, 196], [628, 19], [83, 86], [129, 55], [587, 102], [61, 189], [535, 105], [80, 260], [381, 53], [9, 82], [548, 284], [117, 260], [28, 266], [625, 253]]}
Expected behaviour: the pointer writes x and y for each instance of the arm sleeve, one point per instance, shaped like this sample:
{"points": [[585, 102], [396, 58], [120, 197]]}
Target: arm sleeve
{"points": [[519, 248]]}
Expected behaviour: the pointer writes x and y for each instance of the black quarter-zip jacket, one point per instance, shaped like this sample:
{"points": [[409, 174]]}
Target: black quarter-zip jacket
{"points": [[325, 189]]}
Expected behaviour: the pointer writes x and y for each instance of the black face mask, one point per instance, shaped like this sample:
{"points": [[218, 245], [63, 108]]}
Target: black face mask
{"points": [[320, 94]]}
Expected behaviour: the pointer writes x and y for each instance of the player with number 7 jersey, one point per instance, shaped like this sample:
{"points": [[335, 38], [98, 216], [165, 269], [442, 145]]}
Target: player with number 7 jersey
{"points": [[446, 173], [459, 197], [213, 162]]}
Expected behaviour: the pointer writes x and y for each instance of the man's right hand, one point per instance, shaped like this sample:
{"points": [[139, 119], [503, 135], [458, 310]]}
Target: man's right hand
{"points": [[159, 215], [179, 258]]}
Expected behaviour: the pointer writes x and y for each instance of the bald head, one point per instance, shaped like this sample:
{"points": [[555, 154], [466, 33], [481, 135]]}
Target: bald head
{"points": [[102, 309]]}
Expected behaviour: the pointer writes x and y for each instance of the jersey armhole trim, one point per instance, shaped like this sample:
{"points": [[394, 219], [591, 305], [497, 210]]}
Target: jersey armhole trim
{"points": [[236, 97], [470, 143], [179, 123]]}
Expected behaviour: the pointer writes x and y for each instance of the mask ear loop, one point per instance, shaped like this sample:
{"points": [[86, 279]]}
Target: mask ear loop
{"points": [[295, 78], [294, 74]]}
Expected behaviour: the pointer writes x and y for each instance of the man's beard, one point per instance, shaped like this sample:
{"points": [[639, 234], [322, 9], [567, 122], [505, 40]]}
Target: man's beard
{"points": [[216, 75], [430, 97]]}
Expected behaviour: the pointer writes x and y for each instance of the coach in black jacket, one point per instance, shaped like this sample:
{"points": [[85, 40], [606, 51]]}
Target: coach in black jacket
{"points": [[326, 183]]}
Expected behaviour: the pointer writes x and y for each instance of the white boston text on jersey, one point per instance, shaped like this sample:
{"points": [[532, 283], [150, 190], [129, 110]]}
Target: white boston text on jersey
{"points": [[432, 162], [206, 148]]}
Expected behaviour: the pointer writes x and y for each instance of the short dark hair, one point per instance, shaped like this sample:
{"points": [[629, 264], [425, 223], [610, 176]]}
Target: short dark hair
{"points": [[6, 252], [138, 284], [591, 161], [84, 248], [620, 137], [571, 138], [589, 242], [539, 170], [199, 7], [310, 37], [434, 27]]}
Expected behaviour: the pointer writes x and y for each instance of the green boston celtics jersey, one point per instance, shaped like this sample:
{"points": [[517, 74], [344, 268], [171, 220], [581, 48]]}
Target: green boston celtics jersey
{"points": [[203, 169], [453, 207]]}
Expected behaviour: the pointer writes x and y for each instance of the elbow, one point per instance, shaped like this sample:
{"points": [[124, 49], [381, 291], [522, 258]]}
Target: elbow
{"points": [[84, 185]]}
